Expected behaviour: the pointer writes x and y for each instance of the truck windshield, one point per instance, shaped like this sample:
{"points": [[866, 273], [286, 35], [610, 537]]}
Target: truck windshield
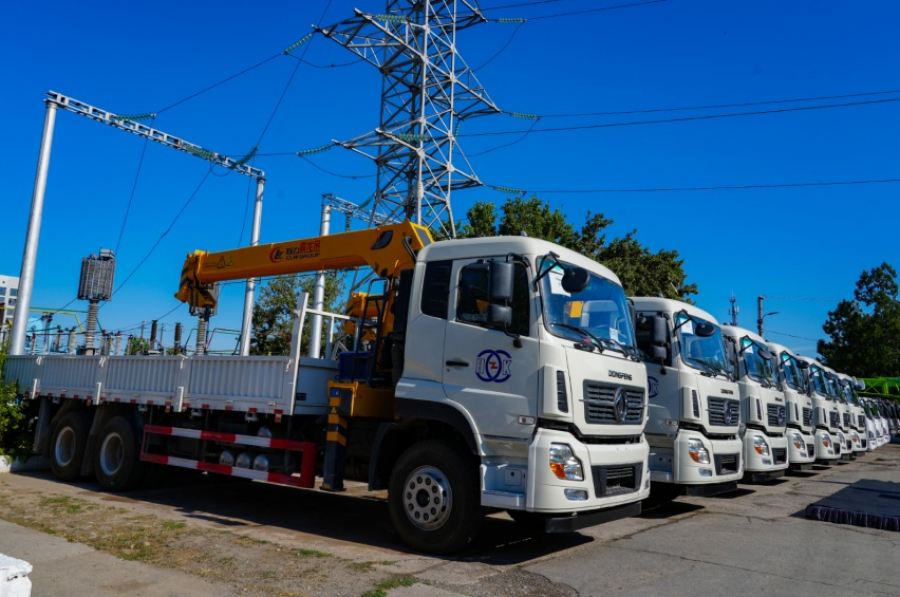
{"points": [[758, 368], [599, 313], [707, 354], [817, 377], [791, 373]]}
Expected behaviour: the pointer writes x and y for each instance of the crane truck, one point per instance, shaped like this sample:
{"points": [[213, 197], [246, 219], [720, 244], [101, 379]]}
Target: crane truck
{"points": [[826, 418], [801, 442], [763, 408], [694, 406], [487, 374]]}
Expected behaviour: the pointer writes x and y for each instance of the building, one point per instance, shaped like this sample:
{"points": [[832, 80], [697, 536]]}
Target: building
{"points": [[9, 295]]}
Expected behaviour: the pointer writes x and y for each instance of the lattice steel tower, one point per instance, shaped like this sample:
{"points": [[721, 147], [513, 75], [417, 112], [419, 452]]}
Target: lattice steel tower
{"points": [[427, 89]]}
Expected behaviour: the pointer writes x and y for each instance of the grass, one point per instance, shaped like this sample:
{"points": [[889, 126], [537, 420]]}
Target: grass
{"points": [[310, 553], [384, 586], [173, 525], [66, 504]]}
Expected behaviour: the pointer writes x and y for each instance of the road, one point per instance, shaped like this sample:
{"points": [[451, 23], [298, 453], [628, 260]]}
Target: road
{"points": [[752, 542]]}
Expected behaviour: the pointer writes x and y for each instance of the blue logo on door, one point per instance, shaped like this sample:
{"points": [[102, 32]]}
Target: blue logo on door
{"points": [[493, 365], [654, 386]]}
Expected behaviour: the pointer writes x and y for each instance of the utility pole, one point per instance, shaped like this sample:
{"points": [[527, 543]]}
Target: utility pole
{"points": [[315, 325], [427, 92], [761, 315], [734, 310]]}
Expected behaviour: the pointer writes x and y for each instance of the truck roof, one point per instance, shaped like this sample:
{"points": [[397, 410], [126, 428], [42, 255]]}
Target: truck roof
{"points": [[472, 248], [654, 303], [736, 332]]}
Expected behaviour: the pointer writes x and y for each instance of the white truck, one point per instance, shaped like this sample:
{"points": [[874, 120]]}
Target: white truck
{"points": [[857, 415], [826, 417], [490, 374], [845, 433], [801, 441], [763, 407], [694, 402]]}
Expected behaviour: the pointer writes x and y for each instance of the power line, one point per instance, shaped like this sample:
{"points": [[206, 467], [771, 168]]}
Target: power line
{"points": [[133, 190], [710, 188], [329, 172], [803, 298], [681, 119], [501, 50], [214, 85], [521, 4], [719, 106], [792, 336], [593, 10], [167, 230]]}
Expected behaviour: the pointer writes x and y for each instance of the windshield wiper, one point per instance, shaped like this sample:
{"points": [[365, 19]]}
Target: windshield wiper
{"points": [[586, 335], [707, 368], [619, 347]]}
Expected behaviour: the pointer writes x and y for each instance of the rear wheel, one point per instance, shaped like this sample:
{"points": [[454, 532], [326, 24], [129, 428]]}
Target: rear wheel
{"points": [[117, 464], [69, 440], [434, 498]]}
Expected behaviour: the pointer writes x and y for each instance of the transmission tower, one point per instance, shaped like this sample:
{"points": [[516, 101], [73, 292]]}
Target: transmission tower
{"points": [[427, 91]]}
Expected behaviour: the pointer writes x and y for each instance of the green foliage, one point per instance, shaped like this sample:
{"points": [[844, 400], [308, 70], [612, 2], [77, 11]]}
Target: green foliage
{"points": [[137, 345], [16, 433], [865, 332], [273, 312], [642, 272]]}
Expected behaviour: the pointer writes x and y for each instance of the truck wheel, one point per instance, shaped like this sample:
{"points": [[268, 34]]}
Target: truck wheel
{"points": [[69, 440], [434, 498], [117, 464]]}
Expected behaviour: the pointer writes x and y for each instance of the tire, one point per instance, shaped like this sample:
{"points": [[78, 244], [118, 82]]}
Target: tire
{"points": [[67, 446], [117, 463], [434, 498]]}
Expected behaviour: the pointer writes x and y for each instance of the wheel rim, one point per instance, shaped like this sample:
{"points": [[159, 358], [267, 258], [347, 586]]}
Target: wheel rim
{"points": [[112, 454], [427, 498], [64, 450]]}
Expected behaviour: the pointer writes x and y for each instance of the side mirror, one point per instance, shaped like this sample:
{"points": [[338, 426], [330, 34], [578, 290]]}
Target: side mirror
{"points": [[803, 364], [501, 277], [575, 279], [765, 354], [660, 331], [704, 329], [658, 352], [499, 315]]}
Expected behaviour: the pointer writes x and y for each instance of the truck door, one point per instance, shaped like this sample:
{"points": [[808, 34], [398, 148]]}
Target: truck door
{"points": [[484, 372]]}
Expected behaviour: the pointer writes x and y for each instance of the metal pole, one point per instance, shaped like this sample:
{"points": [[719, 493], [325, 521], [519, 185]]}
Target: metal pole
{"points": [[29, 257], [249, 290], [315, 323]]}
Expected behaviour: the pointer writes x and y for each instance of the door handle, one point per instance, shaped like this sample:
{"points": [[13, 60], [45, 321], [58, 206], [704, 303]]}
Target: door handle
{"points": [[457, 364]]}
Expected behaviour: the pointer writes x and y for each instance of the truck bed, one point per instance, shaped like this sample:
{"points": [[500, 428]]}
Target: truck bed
{"points": [[263, 384]]}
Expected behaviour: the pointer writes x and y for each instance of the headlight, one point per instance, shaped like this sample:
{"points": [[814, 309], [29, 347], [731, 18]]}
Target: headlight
{"points": [[826, 440], [697, 452], [564, 464], [841, 438], [798, 441], [760, 445]]}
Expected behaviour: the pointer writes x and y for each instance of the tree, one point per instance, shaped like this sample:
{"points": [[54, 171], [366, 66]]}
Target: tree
{"points": [[273, 312], [865, 332], [642, 272]]}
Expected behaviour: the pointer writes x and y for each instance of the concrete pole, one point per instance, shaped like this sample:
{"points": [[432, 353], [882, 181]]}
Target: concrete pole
{"points": [[29, 257], [759, 310], [315, 322], [249, 290], [118, 343], [72, 341], [177, 338]]}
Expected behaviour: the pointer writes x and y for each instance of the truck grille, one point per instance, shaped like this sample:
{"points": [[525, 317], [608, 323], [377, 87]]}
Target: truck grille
{"points": [[776, 414], [846, 420], [600, 404], [811, 450], [724, 412], [834, 419], [779, 455], [616, 480], [807, 416], [727, 464]]}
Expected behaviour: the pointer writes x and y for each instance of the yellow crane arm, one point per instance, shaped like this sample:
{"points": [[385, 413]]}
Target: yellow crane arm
{"points": [[387, 250]]}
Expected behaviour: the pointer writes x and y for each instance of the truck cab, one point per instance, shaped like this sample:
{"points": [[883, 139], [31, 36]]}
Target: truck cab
{"points": [[826, 417], [801, 441], [845, 431], [857, 416], [694, 402], [763, 405], [553, 401]]}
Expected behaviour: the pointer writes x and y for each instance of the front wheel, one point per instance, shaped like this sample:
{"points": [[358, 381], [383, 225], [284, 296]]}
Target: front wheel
{"points": [[117, 463], [434, 498]]}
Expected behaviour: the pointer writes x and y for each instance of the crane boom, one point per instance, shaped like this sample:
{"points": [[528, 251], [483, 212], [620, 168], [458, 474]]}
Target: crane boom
{"points": [[387, 249]]}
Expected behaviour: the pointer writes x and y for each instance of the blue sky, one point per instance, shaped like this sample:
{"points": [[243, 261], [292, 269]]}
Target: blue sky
{"points": [[806, 242]]}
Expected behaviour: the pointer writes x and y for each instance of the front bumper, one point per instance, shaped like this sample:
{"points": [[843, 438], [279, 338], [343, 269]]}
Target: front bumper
{"points": [[724, 464], [805, 454], [825, 446], [614, 475], [776, 460]]}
